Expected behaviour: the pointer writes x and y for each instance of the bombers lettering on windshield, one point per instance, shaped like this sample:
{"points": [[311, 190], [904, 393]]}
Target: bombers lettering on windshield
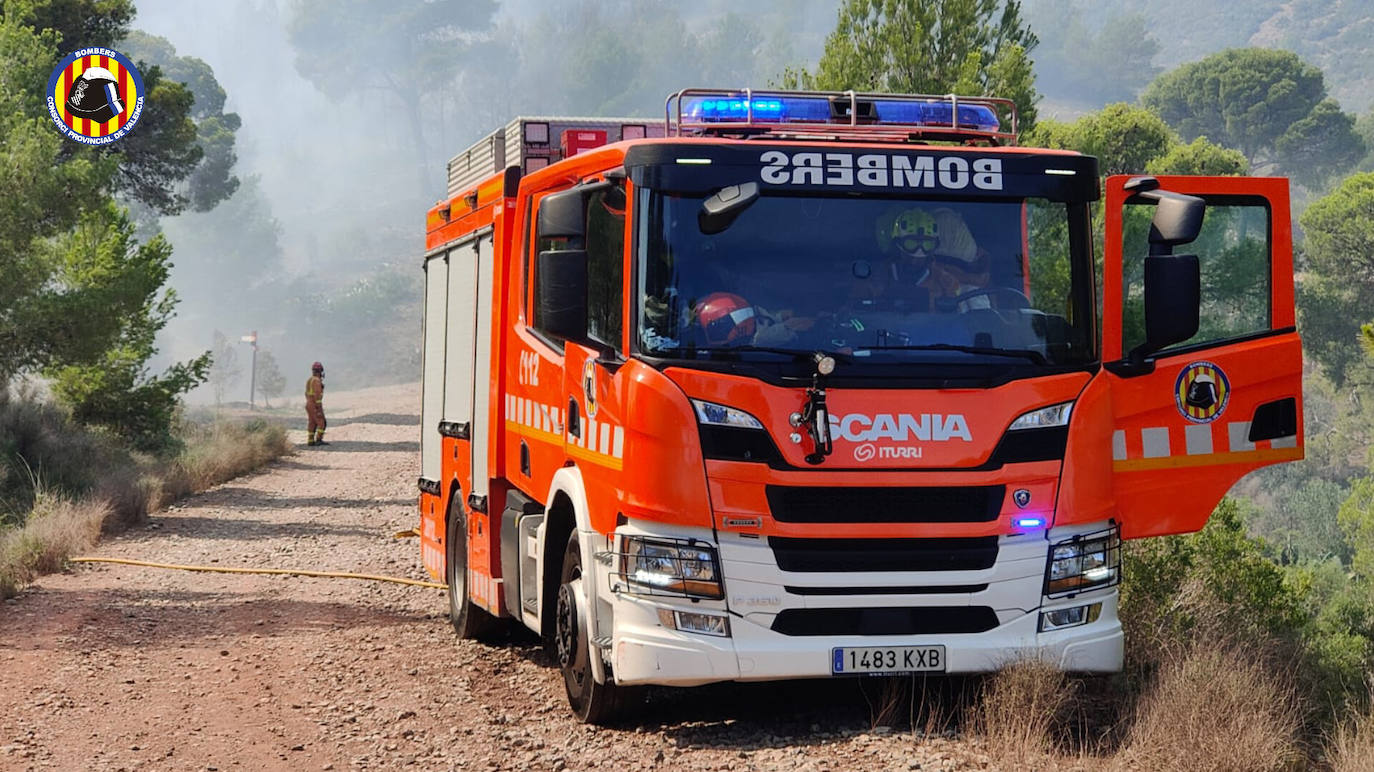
{"points": [[902, 427], [881, 170]]}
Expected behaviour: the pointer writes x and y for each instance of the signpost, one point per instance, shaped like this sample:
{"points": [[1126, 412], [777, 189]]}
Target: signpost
{"points": [[252, 339]]}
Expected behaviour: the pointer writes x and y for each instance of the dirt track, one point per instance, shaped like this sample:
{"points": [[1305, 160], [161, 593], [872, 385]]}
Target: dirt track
{"points": [[115, 667]]}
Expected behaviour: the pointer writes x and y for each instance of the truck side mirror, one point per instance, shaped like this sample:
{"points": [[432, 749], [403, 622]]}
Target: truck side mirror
{"points": [[1173, 283], [1177, 219], [1173, 297], [561, 278], [563, 215]]}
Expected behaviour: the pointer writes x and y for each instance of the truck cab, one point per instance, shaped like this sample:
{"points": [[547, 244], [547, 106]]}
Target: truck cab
{"points": [[812, 385]]}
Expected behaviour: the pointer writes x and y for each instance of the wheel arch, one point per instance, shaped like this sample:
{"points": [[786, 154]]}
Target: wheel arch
{"points": [[566, 511]]}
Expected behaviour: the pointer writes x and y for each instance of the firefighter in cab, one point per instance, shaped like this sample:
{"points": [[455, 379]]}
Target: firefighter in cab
{"points": [[314, 406]]}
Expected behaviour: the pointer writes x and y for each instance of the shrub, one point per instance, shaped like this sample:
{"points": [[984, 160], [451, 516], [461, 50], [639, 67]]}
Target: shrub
{"points": [[55, 529], [1217, 707]]}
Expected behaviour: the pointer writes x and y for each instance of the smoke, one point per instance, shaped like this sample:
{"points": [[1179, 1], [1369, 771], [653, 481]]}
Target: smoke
{"points": [[319, 251]]}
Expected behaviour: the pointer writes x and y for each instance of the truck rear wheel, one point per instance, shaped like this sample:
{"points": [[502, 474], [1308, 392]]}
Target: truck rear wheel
{"points": [[469, 620], [591, 702]]}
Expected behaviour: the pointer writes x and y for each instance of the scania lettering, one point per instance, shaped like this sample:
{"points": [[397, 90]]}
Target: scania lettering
{"points": [[819, 385], [904, 427]]}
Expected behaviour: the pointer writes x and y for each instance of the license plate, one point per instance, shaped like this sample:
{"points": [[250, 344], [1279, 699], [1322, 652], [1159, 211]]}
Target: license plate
{"points": [[887, 659]]}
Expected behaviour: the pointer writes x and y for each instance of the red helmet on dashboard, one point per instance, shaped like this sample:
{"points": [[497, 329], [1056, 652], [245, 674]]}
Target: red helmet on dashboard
{"points": [[725, 318]]}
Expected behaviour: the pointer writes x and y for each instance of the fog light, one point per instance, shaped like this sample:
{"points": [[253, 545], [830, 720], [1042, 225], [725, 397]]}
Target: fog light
{"points": [[1061, 618], [692, 622]]}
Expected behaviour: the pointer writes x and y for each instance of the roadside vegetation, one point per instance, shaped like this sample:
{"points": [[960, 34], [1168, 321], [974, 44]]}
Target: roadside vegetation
{"points": [[86, 294], [62, 485]]}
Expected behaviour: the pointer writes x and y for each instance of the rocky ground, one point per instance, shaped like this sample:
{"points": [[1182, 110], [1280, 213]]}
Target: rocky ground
{"points": [[121, 668]]}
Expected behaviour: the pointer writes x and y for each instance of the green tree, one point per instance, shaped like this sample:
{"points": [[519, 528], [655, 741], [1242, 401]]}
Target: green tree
{"points": [[116, 288], [224, 366], [1077, 63], [1337, 288], [408, 53], [1124, 138], [153, 161], [212, 180], [1268, 104], [271, 381], [971, 47], [82, 300]]}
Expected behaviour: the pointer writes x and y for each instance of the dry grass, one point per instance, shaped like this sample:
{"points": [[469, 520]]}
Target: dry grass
{"points": [[218, 453], [55, 529], [1215, 708], [1020, 711], [106, 488], [1351, 747]]}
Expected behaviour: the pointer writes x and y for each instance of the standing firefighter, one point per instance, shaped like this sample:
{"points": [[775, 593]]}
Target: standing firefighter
{"points": [[314, 406]]}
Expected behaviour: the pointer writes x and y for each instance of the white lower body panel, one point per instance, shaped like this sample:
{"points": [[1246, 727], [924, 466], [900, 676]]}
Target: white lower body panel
{"points": [[644, 651]]}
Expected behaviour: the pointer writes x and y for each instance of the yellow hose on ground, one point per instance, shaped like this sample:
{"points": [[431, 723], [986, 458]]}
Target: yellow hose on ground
{"points": [[279, 571]]}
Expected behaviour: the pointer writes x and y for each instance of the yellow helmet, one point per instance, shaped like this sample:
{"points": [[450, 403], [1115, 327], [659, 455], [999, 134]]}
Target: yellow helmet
{"points": [[915, 232]]}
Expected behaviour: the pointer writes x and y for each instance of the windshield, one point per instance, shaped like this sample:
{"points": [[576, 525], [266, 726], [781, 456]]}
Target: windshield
{"points": [[958, 281]]}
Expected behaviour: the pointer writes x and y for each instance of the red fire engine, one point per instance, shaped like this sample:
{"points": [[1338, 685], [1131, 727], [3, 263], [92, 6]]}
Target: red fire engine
{"points": [[801, 384]]}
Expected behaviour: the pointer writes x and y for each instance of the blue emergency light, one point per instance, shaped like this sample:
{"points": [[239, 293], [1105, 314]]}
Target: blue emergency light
{"points": [[735, 108]]}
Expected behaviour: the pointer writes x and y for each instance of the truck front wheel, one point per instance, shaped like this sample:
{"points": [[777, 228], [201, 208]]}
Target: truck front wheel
{"points": [[591, 702]]}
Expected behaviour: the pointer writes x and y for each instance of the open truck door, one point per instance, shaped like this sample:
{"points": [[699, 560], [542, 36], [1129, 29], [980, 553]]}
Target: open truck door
{"points": [[1200, 401]]}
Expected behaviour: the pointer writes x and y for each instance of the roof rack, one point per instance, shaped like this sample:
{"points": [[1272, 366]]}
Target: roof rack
{"points": [[847, 114]]}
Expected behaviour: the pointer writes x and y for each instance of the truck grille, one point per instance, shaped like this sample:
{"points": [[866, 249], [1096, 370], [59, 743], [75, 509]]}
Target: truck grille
{"points": [[963, 504], [885, 620], [953, 554]]}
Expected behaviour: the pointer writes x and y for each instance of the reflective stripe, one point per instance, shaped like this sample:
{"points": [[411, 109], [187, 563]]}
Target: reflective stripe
{"points": [[1159, 447], [600, 442]]}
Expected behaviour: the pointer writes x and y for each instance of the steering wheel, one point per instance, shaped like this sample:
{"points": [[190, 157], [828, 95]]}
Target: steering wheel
{"points": [[1018, 298]]}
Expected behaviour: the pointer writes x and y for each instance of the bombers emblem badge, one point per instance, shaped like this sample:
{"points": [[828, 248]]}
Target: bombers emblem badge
{"points": [[1201, 392], [95, 96]]}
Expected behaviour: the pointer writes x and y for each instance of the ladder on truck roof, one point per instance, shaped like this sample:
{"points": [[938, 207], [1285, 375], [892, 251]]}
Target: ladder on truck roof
{"points": [[535, 142]]}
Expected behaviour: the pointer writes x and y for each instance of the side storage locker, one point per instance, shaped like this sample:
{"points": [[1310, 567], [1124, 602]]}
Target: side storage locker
{"points": [[431, 411]]}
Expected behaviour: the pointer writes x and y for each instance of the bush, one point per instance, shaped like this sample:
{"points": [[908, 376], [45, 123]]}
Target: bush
{"points": [[56, 528], [41, 448], [61, 483], [1216, 708], [1215, 584], [219, 452]]}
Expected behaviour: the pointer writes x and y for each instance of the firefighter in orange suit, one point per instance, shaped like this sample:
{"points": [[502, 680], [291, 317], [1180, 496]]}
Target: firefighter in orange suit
{"points": [[314, 406]]}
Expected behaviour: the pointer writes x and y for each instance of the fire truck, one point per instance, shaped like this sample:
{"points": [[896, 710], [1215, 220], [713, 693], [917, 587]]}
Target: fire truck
{"points": [[815, 385]]}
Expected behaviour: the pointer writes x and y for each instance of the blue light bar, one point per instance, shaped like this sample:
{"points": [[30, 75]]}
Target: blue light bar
{"points": [[976, 117], [1028, 522], [735, 108]]}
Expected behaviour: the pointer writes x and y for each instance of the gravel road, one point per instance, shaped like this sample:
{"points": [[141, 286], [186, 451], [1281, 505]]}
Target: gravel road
{"points": [[113, 667]]}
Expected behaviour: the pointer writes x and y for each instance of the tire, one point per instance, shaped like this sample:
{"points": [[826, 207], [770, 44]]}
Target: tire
{"points": [[469, 621], [591, 702]]}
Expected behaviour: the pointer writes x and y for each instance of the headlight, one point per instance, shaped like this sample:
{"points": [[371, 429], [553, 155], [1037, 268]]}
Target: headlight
{"points": [[720, 415], [670, 567], [1084, 562], [1044, 418]]}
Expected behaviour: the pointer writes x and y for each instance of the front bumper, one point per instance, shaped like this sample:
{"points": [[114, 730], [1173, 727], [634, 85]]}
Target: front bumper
{"points": [[644, 651]]}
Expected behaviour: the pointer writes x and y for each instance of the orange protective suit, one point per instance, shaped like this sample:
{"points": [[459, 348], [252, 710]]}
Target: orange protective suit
{"points": [[314, 410]]}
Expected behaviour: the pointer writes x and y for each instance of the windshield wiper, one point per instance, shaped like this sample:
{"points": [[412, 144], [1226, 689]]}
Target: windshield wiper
{"points": [[795, 354], [1034, 356]]}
